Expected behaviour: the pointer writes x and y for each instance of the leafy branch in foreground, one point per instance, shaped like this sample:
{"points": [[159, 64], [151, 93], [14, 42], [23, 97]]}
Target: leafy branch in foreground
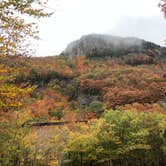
{"points": [[15, 29], [163, 6]]}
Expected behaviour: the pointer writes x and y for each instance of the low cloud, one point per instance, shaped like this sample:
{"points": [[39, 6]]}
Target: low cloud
{"points": [[151, 29]]}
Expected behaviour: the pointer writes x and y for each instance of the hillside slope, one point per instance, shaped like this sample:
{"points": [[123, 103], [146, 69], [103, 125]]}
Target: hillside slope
{"points": [[103, 106], [79, 85]]}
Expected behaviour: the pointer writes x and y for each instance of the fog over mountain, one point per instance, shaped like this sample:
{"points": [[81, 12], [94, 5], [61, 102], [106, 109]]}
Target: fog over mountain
{"points": [[142, 19], [89, 42], [98, 45], [151, 28]]}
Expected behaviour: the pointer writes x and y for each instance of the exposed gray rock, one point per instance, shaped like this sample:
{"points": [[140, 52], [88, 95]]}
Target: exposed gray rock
{"points": [[96, 45], [86, 43]]}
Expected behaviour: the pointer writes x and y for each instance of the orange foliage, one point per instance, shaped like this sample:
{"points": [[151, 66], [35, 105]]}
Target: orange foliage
{"points": [[155, 107], [51, 101], [116, 85], [80, 63]]}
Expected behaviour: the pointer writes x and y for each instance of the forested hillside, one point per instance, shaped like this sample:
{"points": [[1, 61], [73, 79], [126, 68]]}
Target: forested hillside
{"points": [[119, 109], [102, 102]]}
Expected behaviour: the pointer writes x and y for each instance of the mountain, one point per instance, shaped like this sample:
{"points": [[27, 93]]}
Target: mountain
{"points": [[97, 45], [88, 109]]}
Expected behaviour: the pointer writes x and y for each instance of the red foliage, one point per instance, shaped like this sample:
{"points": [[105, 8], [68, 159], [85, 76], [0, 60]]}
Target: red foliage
{"points": [[163, 6]]}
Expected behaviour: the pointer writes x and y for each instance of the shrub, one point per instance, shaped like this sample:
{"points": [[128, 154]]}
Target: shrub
{"points": [[57, 114], [96, 107]]}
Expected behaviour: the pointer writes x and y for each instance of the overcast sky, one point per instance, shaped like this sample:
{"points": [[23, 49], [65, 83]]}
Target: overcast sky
{"points": [[74, 18]]}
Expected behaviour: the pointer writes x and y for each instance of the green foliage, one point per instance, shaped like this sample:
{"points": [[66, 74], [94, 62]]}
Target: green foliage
{"points": [[97, 146], [20, 77], [36, 76], [57, 114], [15, 147], [72, 88], [96, 107], [118, 138], [110, 52], [122, 138]]}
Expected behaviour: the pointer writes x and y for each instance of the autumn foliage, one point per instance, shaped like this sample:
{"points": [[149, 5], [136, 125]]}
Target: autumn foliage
{"points": [[38, 90], [115, 108], [163, 6]]}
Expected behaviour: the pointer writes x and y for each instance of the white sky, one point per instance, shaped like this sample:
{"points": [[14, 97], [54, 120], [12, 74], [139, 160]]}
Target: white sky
{"points": [[74, 18]]}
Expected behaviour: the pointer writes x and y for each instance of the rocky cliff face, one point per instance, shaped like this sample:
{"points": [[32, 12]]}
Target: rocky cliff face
{"points": [[86, 43], [96, 45]]}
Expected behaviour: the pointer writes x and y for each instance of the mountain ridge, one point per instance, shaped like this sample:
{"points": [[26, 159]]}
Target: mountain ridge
{"points": [[98, 45]]}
